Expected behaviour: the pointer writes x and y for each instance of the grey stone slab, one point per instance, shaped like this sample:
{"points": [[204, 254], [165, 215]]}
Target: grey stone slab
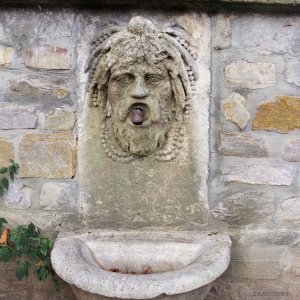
{"points": [[259, 174], [17, 118], [292, 151]]}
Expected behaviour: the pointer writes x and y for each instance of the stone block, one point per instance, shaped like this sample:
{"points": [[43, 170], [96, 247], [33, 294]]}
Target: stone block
{"points": [[292, 70], [289, 212], [222, 32], [17, 118], [247, 207], [48, 155], [6, 55], [238, 144], [17, 197], [292, 151], [259, 174], [60, 120], [6, 152], [235, 109], [47, 57], [281, 115], [247, 75], [57, 196], [39, 88]]}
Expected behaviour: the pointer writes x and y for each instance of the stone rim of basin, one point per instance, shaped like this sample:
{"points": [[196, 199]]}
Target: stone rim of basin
{"points": [[76, 265]]}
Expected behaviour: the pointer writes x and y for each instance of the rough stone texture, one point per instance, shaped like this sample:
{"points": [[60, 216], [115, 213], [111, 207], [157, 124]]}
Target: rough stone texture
{"points": [[17, 118], [292, 151], [292, 71], [250, 75], [238, 144], [266, 35], [6, 55], [235, 109], [47, 57], [289, 212], [57, 196], [18, 197], [178, 261], [48, 155], [259, 174], [60, 120], [39, 88], [222, 32], [6, 152], [281, 115], [246, 207]]}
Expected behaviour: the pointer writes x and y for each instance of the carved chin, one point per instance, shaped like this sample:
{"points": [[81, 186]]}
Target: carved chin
{"points": [[141, 141]]}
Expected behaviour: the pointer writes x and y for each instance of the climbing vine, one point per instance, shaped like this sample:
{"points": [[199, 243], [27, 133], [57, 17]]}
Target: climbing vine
{"points": [[25, 244]]}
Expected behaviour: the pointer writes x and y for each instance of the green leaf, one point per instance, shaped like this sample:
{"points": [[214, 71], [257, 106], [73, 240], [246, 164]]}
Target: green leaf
{"points": [[3, 221], [5, 183], [3, 170], [11, 172], [22, 270], [5, 253], [56, 286], [42, 273], [12, 161], [1, 191]]}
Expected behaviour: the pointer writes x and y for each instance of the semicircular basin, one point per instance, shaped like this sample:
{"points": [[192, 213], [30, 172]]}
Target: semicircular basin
{"points": [[140, 265]]}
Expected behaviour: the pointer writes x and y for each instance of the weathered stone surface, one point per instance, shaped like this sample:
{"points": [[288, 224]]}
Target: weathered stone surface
{"points": [[292, 151], [245, 207], [292, 70], [247, 75], [259, 174], [235, 109], [222, 32], [48, 155], [281, 115], [17, 197], [289, 212], [267, 35], [47, 57], [39, 88], [60, 120], [6, 55], [6, 152], [238, 144], [17, 118], [57, 196]]}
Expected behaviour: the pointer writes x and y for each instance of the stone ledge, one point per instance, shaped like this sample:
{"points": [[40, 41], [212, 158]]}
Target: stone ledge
{"points": [[194, 4]]}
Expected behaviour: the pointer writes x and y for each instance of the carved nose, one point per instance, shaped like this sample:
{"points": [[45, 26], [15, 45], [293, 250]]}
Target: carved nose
{"points": [[137, 116], [139, 91]]}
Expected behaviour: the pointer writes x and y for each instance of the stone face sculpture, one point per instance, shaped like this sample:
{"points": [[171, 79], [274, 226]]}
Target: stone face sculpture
{"points": [[142, 79]]}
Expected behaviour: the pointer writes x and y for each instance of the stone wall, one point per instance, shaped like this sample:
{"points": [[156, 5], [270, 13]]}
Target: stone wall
{"points": [[254, 137]]}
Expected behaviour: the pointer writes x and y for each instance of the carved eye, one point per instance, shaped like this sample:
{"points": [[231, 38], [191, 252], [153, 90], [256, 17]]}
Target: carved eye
{"points": [[153, 78], [125, 79]]}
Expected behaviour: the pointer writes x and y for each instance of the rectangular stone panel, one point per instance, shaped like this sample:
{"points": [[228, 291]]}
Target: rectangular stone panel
{"points": [[48, 155]]}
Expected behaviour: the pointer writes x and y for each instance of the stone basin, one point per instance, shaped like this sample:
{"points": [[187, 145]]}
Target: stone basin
{"points": [[140, 265]]}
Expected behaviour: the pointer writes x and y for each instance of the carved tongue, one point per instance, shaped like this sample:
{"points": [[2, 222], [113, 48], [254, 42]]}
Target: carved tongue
{"points": [[137, 116]]}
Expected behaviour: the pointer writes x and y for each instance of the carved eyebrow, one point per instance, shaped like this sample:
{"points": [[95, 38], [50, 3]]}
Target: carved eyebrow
{"points": [[118, 74]]}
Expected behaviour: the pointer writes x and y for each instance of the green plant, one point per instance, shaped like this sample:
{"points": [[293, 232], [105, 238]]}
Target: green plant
{"points": [[10, 171], [25, 244]]}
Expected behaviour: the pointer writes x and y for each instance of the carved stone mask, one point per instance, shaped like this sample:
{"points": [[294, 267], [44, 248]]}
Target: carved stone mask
{"points": [[141, 78]]}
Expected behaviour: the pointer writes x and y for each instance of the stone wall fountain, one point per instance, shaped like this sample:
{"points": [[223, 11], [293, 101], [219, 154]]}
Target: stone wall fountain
{"points": [[143, 165]]}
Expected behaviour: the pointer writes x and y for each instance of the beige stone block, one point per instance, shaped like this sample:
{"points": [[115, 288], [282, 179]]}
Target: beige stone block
{"points": [[235, 110], [248, 75], [281, 115], [48, 155], [47, 57], [292, 151], [6, 152], [6, 55], [222, 33], [289, 212], [60, 120]]}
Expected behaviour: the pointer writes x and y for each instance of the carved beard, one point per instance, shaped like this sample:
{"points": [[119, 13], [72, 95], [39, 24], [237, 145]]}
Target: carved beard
{"points": [[142, 141]]}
